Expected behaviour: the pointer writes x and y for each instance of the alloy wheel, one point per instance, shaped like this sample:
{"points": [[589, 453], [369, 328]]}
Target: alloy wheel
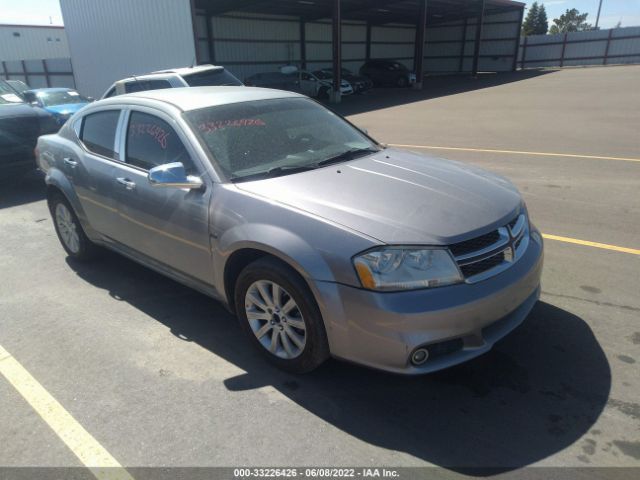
{"points": [[275, 319], [67, 228]]}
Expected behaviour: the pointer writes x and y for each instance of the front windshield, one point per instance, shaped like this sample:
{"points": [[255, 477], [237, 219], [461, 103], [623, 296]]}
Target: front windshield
{"points": [[275, 137], [50, 99]]}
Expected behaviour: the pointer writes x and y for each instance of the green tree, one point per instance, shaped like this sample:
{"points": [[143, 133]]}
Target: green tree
{"points": [[570, 21], [542, 23], [529, 24]]}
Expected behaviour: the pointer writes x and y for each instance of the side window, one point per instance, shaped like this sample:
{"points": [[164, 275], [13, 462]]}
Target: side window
{"points": [[99, 132], [143, 85], [151, 142]]}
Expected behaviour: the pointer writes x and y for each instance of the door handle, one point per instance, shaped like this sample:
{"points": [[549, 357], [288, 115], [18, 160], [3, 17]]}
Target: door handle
{"points": [[126, 183], [69, 161]]}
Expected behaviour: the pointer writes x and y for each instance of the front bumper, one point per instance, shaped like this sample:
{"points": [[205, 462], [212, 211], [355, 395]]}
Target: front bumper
{"points": [[381, 330]]}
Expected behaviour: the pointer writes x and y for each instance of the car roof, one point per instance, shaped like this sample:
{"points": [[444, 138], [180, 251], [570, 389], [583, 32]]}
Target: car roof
{"points": [[193, 98], [53, 89]]}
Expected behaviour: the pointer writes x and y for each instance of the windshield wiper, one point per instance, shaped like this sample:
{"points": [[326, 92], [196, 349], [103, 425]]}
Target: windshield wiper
{"points": [[346, 155], [273, 172]]}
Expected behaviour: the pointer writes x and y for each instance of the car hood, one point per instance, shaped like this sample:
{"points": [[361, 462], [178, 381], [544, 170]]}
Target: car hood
{"points": [[15, 110], [65, 109], [397, 196]]}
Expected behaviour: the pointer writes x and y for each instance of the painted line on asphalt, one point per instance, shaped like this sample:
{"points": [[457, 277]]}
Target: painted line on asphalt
{"points": [[93, 455], [587, 243], [516, 152]]}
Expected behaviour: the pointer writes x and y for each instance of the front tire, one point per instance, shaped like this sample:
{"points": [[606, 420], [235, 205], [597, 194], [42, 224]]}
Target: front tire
{"points": [[69, 230], [280, 316]]}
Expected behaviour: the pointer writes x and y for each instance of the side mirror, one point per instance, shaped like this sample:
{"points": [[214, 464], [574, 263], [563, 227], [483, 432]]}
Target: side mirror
{"points": [[173, 175]]}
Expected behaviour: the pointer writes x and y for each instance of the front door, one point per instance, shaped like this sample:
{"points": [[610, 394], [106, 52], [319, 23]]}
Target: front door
{"points": [[169, 225]]}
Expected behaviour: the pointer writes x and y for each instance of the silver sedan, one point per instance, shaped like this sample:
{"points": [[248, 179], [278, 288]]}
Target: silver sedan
{"points": [[322, 241]]}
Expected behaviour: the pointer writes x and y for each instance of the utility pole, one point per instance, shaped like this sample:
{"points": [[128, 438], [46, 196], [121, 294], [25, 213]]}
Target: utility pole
{"points": [[598, 16]]}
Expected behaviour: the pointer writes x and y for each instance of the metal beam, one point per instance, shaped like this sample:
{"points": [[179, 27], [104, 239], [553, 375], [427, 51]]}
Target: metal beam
{"points": [[418, 61], [196, 59], [476, 47], [337, 51], [212, 49], [224, 6], [368, 42], [514, 65], [367, 7], [303, 45]]}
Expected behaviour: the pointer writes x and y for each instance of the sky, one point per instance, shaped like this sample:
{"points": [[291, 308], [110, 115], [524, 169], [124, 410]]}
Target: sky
{"points": [[45, 12]]}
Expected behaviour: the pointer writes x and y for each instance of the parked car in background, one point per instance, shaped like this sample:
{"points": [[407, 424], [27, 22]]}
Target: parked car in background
{"points": [[59, 102], [319, 83], [322, 241], [200, 76], [359, 83], [388, 73], [279, 80], [20, 126], [18, 85]]}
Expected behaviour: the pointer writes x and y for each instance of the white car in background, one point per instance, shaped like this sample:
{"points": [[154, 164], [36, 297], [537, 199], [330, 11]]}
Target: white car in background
{"points": [[318, 84], [200, 76]]}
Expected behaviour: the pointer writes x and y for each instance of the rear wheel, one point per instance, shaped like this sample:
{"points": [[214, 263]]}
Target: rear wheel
{"points": [[69, 230], [402, 82], [280, 315]]}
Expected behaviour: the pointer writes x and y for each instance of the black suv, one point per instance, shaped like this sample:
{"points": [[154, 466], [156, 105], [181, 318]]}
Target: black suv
{"points": [[388, 72]]}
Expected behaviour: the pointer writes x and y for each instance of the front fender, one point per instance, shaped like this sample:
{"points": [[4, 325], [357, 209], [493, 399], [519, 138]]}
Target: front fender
{"points": [[275, 240]]}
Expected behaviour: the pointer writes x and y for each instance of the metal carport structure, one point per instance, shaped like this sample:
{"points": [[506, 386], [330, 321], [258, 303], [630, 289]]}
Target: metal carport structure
{"points": [[443, 35]]}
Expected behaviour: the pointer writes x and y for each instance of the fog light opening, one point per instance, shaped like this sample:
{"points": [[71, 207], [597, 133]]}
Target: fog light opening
{"points": [[419, 356]]}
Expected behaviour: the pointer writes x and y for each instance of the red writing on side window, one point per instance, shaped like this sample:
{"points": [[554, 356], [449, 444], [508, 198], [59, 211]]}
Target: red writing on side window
{"points": [[151, 129], [208, 127]]}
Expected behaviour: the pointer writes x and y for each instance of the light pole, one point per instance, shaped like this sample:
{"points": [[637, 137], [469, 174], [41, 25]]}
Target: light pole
{"points": [[598, 16]]}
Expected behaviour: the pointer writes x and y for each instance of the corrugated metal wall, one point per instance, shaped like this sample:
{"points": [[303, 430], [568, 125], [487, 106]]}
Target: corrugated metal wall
{"points": [[449, 46], [50, 72], [250, 43], [598, 47], [32, 43], [113, 39]]}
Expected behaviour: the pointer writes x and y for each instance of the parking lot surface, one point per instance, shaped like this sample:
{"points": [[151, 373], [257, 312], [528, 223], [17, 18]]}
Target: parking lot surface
{"points": [[160, 375]]}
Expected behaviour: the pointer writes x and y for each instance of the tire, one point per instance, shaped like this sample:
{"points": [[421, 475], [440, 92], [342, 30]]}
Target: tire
{"points": [[402, 82], [69, 230], [276, 326], [323, 93]]}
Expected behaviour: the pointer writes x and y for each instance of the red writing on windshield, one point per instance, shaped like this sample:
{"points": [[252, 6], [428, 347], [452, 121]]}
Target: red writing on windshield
{"points": [[208, 127], [158, 133]]}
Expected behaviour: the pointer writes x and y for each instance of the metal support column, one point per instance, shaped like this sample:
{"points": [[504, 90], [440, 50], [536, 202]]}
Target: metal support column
{"points": [[335, 95], [418, 61], [476, 48], [303, 45], [514, 66], [367, 55], [212, 50]]}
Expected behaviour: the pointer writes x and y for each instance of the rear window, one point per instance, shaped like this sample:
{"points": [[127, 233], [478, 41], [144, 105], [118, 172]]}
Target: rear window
{"points": [[144, 85], [99, 132], [211, 78]]}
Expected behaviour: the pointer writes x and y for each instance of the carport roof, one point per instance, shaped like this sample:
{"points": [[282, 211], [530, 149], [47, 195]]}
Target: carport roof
{"points": [[375, 11]]}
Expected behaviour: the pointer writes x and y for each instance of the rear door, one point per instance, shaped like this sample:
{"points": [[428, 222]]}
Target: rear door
{"points": [[169, 225], [91, 168]]}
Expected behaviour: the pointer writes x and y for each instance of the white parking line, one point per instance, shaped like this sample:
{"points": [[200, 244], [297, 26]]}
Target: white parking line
{"points": [[93, 455]]}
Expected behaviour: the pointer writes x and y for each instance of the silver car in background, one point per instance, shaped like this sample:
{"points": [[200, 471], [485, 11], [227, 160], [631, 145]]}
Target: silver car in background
{"points": [[323, 242]]}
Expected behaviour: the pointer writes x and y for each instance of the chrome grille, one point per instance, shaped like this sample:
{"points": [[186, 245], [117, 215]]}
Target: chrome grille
{"points": [[487, 255]]}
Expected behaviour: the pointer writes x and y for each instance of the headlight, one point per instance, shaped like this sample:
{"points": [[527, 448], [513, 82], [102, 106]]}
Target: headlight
{"points": [[406, 268]]}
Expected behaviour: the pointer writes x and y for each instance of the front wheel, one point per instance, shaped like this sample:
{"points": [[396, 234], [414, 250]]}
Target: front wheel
{"points": [[69, 230], [280, 316]]}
